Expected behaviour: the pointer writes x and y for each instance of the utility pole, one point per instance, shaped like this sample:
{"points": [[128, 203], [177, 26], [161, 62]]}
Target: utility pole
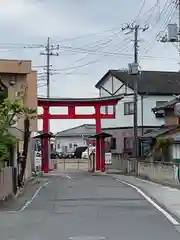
{"points": [[49, 52], [48, 67], [133, 70], [178, 2]]}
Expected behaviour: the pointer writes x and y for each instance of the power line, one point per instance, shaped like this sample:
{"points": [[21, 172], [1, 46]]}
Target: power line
{"points": [[86, 35], [140, 10]]}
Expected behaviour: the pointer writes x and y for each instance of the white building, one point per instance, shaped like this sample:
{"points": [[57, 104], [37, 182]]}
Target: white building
{"points": [[74, 137], [154, 88]]}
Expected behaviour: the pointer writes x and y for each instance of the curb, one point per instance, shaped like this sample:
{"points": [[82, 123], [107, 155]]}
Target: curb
{"points": [[32, 180], [166, 184]]}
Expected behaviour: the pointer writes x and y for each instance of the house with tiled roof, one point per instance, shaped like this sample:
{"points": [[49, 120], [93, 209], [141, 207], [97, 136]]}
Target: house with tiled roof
{"points": [[154, 89], [170, 129], [74, 137]]}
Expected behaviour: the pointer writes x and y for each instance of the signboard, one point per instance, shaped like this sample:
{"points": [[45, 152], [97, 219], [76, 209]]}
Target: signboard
{"points": [[108, 158], [38, 160]]}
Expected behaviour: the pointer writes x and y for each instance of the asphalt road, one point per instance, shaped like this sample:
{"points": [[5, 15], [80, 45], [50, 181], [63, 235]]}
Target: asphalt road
{"points": [[85, 205]]}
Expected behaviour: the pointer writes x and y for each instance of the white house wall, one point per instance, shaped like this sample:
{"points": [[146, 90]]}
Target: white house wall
{"points": [[149, 102], [66, 141], [122, 120]]}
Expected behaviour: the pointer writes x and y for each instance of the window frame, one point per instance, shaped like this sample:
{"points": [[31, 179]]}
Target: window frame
{"points": [[127, 108], [113, 144]]}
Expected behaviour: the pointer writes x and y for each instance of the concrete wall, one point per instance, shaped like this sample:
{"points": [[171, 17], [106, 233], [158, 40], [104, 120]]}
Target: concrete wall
{"points": [[6, 183], [158, 172]]}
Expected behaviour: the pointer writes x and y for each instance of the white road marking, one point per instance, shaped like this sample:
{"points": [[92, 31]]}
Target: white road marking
{"points": [[164, 212], [68, 177], [33, 197]]}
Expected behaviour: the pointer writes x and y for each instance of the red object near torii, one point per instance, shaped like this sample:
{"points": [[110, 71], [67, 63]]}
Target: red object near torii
{"points": [[72, 103]]}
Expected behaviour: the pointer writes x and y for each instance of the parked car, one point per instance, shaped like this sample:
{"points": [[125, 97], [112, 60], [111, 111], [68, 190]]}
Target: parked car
{"points": [[60, 154], [70, 153], [87, 152], [54, 155], [79, 150]]}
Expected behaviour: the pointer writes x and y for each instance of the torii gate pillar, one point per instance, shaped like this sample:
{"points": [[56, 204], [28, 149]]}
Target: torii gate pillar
{"points": [[98, 130]]}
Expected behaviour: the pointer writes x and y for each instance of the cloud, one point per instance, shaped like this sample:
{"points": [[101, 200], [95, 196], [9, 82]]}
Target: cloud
{"points": [[42, 19]]}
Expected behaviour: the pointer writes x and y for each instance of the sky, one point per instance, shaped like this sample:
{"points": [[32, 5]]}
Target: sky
{"points": [[90, 39]]}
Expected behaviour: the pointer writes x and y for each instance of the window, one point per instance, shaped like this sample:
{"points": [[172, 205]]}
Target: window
{"points": [[109, 109], [128, 108], [70, 145], [58, 146], [113, 143], [128, 143], [114, 109]]}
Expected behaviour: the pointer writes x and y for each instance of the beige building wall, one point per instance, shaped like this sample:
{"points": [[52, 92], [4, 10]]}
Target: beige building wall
{"points": [[31, 97], [22, 85], [170, 119], [15, 66]]}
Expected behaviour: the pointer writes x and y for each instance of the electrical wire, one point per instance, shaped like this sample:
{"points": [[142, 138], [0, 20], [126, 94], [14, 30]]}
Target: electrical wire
{"points": [[151, 11], [140, 11], [86, 35], [165, 15], [94, 48]]}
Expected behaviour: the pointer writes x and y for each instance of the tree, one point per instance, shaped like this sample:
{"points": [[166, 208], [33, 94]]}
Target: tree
{"points": [[9, 113], [161, 148], [28, 115]]}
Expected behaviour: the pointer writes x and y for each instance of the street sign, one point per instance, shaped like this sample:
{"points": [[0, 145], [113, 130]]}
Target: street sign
{"points": [[108, 158]]}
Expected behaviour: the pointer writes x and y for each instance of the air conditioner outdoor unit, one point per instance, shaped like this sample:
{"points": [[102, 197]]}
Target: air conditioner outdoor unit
{"points": [[133, 69]]}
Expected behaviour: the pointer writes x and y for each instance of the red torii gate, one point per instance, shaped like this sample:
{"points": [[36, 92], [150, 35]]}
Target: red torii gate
{"points": [[72, 103]]}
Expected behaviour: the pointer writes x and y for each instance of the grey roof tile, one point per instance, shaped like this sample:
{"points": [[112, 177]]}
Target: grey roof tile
{"points": [[85, 130], [150, 82]]}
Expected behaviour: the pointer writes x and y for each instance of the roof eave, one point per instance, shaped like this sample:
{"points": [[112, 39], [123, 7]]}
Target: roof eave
{"points": [[101, 81]]}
